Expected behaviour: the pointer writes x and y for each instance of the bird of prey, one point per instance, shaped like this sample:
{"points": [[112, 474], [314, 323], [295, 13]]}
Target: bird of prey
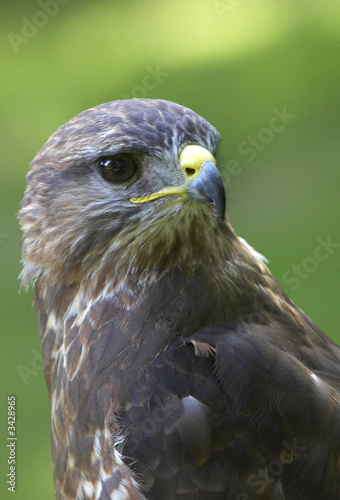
{"points": [[177, 367]]}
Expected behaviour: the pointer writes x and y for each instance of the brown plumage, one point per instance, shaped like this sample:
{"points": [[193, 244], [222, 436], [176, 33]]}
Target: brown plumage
{"points": [[177, 368]]}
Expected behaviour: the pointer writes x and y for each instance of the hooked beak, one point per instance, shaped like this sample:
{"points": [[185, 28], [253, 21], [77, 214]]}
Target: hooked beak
{"points": [[208, 186], [203, 180]]}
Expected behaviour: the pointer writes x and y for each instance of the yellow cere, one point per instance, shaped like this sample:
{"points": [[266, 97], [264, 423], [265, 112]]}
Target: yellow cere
{"points": [[191, 159], [193, 156]]}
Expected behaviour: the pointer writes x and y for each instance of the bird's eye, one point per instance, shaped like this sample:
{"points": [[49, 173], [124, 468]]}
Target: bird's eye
{"points": [[118, 168]]}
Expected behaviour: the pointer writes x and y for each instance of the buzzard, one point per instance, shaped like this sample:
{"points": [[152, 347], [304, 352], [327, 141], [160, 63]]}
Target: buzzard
{"points": [[177, 367]]}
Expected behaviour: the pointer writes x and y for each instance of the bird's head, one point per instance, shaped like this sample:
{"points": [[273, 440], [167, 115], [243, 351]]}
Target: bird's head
{"points": [[127, 186]]}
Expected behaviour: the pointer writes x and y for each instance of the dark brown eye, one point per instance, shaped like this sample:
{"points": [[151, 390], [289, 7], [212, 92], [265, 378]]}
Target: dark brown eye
{"points": [[118, 168]]}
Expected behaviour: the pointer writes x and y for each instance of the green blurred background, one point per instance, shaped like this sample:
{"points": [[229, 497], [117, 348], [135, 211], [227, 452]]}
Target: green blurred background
{"points": [[232, 61]]}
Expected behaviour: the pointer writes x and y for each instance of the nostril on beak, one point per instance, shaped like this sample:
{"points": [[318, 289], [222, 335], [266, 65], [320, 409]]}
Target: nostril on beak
{"points": [[190, 171]]}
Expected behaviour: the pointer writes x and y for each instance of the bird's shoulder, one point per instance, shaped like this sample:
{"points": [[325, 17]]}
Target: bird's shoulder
{"points": [[232, 408]]}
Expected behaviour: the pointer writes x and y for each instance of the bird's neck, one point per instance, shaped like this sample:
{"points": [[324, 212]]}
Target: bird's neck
{"points": [[117, 323]]}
